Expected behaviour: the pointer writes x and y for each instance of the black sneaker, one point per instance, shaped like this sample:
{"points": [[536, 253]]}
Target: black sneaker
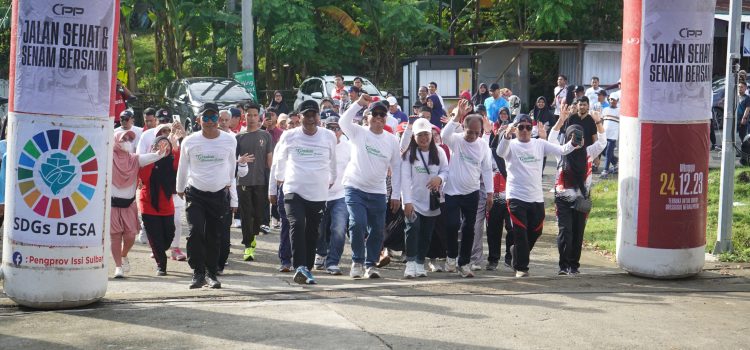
{"points": [[161, 272], [563, 272], [491, 266], [213, 283], [199, 280], [574, 271]]}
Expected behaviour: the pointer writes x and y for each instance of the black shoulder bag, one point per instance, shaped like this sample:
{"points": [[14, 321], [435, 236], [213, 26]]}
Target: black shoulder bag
{"points": [[434, 195]]}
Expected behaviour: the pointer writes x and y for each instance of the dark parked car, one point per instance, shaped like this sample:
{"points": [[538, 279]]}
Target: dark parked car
{"points": [[717, 102], [186, 96]]}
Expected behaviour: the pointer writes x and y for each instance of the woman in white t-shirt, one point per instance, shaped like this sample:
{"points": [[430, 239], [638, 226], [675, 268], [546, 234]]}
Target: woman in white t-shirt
{"points": [[424, 169]]}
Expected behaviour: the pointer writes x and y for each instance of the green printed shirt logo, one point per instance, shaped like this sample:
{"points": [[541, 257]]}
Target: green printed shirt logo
{"points": [[420, 169], [527, 158], [467, 158], [374, 151], [307, 152], [209, 158]]}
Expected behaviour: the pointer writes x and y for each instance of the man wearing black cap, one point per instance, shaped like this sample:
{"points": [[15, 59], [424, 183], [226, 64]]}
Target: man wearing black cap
{"points": [[206, 170], [601, 101], [301, 152], [147, 139], [494, 102], [252, 189], [127, 122], [523, 159], [374, 152]]}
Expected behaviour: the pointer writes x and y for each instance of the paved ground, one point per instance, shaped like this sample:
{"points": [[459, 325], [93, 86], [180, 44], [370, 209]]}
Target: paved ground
{"points": [[261, 308]]}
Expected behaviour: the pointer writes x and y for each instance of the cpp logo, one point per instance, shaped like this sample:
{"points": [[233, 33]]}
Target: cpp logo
{"points": [[62, 10], [686, 33], [17, 258]]}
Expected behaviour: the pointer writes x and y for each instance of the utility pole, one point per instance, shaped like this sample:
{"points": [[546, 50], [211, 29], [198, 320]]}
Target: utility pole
{"points": [[726, 191], [232, 59], [248, 49]]}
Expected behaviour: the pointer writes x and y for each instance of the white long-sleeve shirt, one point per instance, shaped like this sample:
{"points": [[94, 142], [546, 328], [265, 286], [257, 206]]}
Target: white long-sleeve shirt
{"points": [[523, 161], [307, 163], [372, 155], [469, 161], [129, 192], [343, 156], [414, 179], [207, 164], [145, 141]]}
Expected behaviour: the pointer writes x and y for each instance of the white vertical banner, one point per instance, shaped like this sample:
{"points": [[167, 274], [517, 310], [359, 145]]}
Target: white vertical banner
{"points": [[746, 40], [63, 60]]}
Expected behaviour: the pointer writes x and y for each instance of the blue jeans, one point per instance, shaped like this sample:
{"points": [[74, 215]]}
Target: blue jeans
{"points": [[285, 241], [333, 231], [418, 236], [610, 153], [366, 216]]}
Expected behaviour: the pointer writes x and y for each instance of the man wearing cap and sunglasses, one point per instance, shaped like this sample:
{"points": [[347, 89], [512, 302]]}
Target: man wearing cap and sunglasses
{"points": [[523, 158], [127, 123], [374, 152], [301, 152], [206, 171]]}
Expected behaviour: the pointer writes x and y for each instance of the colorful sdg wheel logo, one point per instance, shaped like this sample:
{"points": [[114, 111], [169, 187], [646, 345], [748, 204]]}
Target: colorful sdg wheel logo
{"points": [[57, 173]]}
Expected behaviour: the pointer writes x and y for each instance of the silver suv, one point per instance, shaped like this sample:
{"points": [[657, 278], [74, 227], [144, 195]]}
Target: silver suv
{"points": [[318, 88]]}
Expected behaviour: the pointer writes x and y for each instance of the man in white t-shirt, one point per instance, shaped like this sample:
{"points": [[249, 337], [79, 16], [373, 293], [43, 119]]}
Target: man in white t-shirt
{"points": [[303, 151], [594, 89], [611, 116], [374, 152], [471, 160], [523, 159], [206, 171], [147, 138], [127, 122]]}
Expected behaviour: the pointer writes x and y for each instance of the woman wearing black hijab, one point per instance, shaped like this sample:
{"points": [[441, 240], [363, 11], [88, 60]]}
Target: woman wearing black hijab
{"points": [[541, 113], [278, 103], [573, 181], [481, 95]]}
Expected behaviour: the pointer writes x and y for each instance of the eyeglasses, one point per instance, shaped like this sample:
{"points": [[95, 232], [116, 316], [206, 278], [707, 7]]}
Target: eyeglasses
{"points": [[526, 127], [378, 114], [210, 117]]}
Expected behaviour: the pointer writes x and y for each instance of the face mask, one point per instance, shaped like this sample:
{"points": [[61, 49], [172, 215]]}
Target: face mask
{"points": [[126, 145]]}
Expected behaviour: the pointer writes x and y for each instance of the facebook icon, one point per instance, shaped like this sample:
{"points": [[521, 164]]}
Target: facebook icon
{"points": [[17, 258]]}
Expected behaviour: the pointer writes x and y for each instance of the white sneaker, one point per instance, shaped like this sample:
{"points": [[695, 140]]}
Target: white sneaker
{"points": [[237, 223], [476, 267], [435, 266], [356, 271], [319, 262], [411, 269], [119, 273], [372, 272], [450, 265], [465, 271], [142, 237], [522, 274], [125, 264], [421, 271]]}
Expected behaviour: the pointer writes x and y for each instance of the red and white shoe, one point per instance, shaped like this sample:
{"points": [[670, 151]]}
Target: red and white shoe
{"points": [[178, 255]]}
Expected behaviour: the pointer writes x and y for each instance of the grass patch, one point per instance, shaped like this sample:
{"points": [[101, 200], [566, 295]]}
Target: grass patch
{"points": [[601, 228]]}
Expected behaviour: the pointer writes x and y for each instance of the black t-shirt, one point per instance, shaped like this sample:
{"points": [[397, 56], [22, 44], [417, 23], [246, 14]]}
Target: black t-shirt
{"points": [[588, 125]]}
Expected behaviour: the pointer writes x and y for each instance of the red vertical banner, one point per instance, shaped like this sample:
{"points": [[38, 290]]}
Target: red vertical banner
{"points": [[631, 58]]}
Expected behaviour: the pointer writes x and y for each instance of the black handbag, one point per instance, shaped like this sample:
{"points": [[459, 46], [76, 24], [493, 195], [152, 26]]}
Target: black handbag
{"points": [[122, 202], [434, 195], [583, 203]]}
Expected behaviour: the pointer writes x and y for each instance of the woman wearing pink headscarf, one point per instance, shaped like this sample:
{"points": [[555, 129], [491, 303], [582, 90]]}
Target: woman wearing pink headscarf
{"points": [[124, 216]]}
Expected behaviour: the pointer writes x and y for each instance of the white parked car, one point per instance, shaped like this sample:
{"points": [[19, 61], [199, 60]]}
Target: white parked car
{"points": [[318, 88]]}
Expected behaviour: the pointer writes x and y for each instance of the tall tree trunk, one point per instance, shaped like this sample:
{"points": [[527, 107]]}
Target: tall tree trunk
{"points": [[127, 42], [158, 54], [231, 52]]}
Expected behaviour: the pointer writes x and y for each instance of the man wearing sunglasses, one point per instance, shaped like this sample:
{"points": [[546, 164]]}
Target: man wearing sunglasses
{"points": [[300, 153], [523, 159], [206, 171], [374, 152]]}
